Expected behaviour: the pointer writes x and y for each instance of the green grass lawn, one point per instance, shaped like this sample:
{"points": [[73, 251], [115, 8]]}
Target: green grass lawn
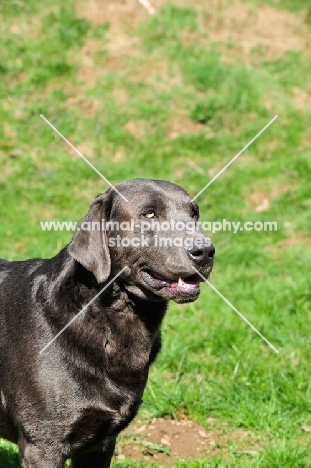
{"points": [[175, 96]]}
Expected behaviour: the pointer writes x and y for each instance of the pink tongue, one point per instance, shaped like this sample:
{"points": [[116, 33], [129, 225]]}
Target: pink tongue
{"points": [[184, 284]]}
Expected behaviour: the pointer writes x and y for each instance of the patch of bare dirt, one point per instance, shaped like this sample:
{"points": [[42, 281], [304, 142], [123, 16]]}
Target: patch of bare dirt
{"points": [[181, 124], [120, 15], [112, 12], [299, 238], [164, 441], [122, 43], [243, 31], [27, 28], [119, 44], [306, 143], [120, 95], [86, 148], [88, 72], [155, 71], [136, 128], [260, 200], [7, 167], [78, 99], [119, 155], [301, 98], [247, 29]]}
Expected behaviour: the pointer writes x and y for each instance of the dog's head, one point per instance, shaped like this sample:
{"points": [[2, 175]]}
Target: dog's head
{"points": [[154, 235]]}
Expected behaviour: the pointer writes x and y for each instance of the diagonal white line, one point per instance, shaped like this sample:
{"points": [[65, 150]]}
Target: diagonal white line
{"points": [[235, 157], [148, 6], [83, 157], [238, 312], [81, 311]]}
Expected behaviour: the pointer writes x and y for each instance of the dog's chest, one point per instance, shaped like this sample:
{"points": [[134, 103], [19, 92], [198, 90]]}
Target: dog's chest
{"points": [[108, 396], [127, 345], [108, 374], [93, 424]]}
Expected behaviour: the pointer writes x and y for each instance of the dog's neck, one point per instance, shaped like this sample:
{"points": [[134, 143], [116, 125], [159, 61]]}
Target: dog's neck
{"points": [[71, 278], [117, 332]]}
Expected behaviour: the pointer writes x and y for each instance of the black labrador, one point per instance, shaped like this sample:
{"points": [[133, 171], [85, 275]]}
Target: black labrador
{"points": [[73, 398]]}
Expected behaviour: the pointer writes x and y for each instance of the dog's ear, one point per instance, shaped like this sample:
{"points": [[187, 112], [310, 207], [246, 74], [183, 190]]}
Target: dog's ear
{"points": [[90, 245]]}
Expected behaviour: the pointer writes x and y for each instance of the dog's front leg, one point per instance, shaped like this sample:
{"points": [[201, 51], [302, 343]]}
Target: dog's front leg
{"points": [[96, 459]]}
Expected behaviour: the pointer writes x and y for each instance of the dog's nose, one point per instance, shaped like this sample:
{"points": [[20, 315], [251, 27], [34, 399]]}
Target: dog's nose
{"points": [[201, 252]]}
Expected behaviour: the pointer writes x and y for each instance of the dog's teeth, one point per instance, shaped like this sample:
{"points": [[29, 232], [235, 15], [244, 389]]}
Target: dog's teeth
{"points": [[180, 282]]}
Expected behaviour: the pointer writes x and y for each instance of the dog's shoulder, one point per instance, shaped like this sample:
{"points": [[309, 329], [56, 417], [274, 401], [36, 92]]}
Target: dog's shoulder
{"points": [[4, 265]]}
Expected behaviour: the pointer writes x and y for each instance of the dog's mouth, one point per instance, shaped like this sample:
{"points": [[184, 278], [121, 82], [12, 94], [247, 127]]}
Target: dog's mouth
{"points": [[189, 284]]}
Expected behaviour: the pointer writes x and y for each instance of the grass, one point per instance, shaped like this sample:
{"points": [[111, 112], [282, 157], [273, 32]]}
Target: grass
{"points": [[175, 95]]}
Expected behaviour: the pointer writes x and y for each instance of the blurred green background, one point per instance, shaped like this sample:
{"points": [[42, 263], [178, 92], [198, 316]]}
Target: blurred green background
{"points": [[176, 95]]}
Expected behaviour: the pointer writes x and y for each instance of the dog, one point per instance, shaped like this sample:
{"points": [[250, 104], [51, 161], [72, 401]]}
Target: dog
{"points": [[70, 399]]}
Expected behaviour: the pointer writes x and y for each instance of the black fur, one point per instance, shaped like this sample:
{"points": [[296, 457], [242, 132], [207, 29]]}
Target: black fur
{"points": [[72, 400]]}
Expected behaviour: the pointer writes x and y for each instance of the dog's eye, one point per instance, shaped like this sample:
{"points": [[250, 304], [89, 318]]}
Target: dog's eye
{"points": [[149, 214]]}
